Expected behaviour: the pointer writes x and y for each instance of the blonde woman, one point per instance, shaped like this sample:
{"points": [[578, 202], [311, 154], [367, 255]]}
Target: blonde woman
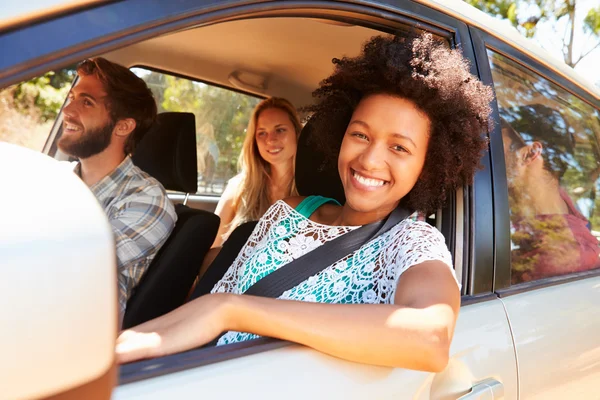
{"points": [[266, 164]]}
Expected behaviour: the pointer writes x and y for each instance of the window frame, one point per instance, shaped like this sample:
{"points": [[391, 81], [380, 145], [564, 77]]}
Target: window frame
{"points": [[483, 42], [203, 197], [139, 21], [457, 32]]}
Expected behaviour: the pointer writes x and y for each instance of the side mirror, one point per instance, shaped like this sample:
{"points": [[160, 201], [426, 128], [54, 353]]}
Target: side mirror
{"points": [[58, 285]]}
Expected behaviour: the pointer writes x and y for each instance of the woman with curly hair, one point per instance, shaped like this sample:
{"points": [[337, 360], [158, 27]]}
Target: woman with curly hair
{"points": [[408, 122]]}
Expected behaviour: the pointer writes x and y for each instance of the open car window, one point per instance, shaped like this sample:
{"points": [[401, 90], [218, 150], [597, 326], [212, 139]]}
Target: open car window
{"points": [[222, 116]]}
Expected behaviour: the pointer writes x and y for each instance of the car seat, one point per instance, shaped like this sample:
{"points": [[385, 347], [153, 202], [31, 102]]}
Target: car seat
{"points": [[168, 153]]}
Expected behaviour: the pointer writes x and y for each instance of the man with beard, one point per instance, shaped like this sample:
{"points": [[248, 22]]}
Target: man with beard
{"points": [[108, 112], [550, 236]]}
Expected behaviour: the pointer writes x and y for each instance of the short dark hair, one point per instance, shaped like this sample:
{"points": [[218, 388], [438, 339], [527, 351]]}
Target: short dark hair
{"points": [[437, 79], [540, 123], [128, 96]]}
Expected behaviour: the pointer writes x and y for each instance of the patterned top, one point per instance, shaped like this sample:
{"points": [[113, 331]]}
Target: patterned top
{"points": [[369, 275], [141, 217]]}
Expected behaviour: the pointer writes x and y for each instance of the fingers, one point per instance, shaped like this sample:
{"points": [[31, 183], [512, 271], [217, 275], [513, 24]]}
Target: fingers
{"points": [[191, 325], [132, 346], [146, 340]]}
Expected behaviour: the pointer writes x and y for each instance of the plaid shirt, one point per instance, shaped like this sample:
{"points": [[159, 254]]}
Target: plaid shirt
{"points": [[141, 216]]}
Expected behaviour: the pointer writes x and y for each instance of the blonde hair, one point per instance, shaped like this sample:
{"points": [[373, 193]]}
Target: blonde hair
{"points": [[252, 199]]}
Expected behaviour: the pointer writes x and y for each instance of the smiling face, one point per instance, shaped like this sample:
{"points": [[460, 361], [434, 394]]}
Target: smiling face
{"points": [[383, 153], [275, 136], [87, 126]]}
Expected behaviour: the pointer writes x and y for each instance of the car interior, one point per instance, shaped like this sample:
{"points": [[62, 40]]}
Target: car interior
{"points": [[247, 56], [168, 152]]}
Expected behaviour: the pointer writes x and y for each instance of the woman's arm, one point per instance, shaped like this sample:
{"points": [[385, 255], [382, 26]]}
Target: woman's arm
{"points": [[415, 332], [226, 209]]}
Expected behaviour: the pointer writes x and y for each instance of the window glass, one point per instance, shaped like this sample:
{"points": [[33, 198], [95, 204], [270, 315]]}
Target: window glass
{"points": [[28, 110], [553, 168], [222, 116]]}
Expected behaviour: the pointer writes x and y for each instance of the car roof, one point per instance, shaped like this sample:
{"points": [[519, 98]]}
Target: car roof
{"points": [[507, 33], [15, 13], [292, 62]]}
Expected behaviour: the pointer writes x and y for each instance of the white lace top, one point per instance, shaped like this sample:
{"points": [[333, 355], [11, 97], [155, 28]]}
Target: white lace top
{"points": [[369, 275]]}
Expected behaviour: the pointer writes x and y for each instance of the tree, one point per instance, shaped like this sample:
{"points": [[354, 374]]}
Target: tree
{"points": [[526, 15], [44, 94]]}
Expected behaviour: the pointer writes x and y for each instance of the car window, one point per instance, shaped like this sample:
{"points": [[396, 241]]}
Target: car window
{"points": [[28, 109], [222, 116], [552, 159]]}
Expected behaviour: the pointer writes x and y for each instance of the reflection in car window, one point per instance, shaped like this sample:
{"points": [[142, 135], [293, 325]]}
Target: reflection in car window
{"points": [[221, 119], [553, 168]]}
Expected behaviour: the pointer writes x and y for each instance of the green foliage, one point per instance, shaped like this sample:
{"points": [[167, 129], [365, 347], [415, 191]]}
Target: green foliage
{"points": [[526, 15], [222, 116], [497, 8], [45, 94], [591, 23]]}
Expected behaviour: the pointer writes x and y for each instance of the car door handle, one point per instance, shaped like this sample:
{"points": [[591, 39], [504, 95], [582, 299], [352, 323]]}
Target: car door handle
{"points": [[489, 389]]}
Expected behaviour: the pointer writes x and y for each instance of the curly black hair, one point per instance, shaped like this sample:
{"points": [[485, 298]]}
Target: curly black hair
{"points": [[438, 81]]}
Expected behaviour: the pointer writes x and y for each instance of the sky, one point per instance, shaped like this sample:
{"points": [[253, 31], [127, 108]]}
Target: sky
{"points": [[546, 36]]}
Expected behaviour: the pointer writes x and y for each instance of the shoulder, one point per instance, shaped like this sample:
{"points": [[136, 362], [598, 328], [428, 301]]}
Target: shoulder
{"points": [[417, 230], [236, 180], [282, 209], [230, 194], [144, 184], [233, 187], [140, 191], [293, 201], [414, 242]]}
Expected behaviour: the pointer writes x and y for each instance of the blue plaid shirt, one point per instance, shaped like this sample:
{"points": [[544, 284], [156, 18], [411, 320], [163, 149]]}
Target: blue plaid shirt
{"points": [[141, 216]]}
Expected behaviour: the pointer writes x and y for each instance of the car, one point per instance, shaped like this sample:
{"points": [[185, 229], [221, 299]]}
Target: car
{"points": [[521, 333]]}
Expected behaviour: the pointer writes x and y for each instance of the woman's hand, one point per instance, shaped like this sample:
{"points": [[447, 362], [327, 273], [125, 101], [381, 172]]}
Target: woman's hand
{"points": [[191, 325]]}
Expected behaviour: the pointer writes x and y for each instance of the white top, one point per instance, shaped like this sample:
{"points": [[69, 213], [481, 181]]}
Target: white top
{"points": [[368, 276]]}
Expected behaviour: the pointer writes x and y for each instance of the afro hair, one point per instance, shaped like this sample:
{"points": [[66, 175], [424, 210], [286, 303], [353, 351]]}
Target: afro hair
{"points": [[437, 80]]}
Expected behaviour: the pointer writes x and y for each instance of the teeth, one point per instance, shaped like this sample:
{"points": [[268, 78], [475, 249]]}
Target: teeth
{"points": [[71, 127], [274, 151], [368, 181]]}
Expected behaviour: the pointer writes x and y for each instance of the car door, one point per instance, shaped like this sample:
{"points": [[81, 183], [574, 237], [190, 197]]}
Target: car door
{"points": [[549, 282], [483, 359], [482, 353]]}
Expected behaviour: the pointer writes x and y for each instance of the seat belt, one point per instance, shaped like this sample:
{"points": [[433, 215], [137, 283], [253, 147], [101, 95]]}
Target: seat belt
{"points": [[315, 261]]}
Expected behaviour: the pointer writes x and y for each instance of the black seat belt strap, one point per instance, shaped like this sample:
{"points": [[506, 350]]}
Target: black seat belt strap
{"points": [[315, 261]]}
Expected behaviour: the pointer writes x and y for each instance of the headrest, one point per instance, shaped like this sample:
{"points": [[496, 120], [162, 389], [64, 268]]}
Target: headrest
{"points": [[313, 174], [168, 152]]}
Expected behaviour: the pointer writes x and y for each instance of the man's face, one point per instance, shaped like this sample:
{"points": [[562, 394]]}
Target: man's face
{"points": [[87, 126], [515, 169]]}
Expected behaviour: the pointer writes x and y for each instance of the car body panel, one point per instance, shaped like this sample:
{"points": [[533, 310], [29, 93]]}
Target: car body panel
{"points": [[482, 348], [557, 337]]}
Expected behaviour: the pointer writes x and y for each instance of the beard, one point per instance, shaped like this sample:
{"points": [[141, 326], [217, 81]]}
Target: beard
{"points": [[90, 143]]}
